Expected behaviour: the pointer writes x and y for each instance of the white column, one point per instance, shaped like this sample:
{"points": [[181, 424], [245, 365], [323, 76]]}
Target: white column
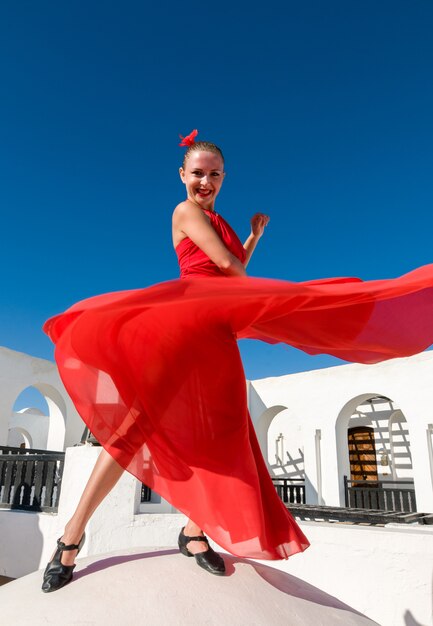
{"points": [[319, 466]]}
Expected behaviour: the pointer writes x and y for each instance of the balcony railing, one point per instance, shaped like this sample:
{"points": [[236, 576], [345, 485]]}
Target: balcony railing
{"points": [[30, 480], [290, 490], [389, 495]]}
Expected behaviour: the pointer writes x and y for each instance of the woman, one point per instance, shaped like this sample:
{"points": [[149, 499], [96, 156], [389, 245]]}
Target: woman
{"points": [[156, 374]]}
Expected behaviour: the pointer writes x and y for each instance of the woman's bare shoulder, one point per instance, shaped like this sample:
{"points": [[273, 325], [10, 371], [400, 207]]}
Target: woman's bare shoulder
{"points": [[186, 209]]}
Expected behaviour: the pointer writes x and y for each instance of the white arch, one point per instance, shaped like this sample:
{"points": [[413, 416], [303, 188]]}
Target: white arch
{"points": [[262, 426], [25, 435], [31, 410], [56, 413], [341, 426]]}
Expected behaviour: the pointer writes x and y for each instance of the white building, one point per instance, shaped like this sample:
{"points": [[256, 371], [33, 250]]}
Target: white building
{"points": [[304, 422]]}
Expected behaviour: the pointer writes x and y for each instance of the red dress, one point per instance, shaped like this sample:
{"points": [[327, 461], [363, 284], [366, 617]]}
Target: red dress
{"points": [[156, 375]]}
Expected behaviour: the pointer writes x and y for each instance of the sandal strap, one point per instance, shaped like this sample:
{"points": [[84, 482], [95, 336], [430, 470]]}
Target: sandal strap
{"points": [[202, 538], [62, 546]]}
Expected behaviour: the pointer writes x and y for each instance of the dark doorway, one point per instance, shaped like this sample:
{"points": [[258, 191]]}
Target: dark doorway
{"points": [[362, 453]]}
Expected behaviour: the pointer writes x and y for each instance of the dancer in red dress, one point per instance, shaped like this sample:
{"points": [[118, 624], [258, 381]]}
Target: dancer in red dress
{"points": [[157, 377]]}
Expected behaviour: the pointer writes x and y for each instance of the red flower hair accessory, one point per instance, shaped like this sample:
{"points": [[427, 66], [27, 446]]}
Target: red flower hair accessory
{"points": [[189, 139]]}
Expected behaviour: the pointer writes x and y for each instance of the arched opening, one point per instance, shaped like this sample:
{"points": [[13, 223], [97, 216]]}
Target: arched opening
{"points": [[373, 450], [281, 444], [285, 446], [40, 411], [31, 400], [19, 438], [262, 425]]}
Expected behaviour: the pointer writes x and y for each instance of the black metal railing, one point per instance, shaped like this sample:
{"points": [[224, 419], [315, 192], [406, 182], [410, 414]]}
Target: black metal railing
{"points": [[13, 450], [30, 479], [373, 517], [380, 495], [290, 490], [146, 493]]}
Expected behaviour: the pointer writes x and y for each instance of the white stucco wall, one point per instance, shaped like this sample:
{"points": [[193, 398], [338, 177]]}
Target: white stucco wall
{"points": [[386, 573], [19, 371], [31, 426], [324, 400]]}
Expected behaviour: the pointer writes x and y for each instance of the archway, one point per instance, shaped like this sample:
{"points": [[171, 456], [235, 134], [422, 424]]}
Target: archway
{"points": [[389, 438], [31, 400], [19, 438], [40, 410], [285, 446], [262, 427]]}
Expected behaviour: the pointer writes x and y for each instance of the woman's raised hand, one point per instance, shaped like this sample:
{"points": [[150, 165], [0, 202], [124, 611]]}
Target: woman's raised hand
{"points": [[259, 221]]}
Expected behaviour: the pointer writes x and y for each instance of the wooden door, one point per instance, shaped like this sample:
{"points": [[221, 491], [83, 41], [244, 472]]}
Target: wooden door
{"points": [[362, 453]]}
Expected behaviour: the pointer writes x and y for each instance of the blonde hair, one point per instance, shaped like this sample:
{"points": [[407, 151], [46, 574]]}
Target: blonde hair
{"points": [[202, 146]]}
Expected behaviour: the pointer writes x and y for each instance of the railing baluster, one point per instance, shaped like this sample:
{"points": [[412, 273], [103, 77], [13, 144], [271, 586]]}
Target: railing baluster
{"points": [[28, 482], [401, 501], [2, 477], [39, 481], [59, 476], [10, 470], [18, 482], [49, 484], [409, 501]]}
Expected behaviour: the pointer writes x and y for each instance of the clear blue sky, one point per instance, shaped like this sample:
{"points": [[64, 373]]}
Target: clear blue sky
{"points": [[323, 111]]}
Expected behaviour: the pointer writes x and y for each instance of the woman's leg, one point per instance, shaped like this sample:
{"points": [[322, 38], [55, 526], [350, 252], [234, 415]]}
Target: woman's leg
{"points": [[104, 476]]}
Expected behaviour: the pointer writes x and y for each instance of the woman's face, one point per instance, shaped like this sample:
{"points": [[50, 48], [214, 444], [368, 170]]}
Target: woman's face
{"points": [[203, 176]]}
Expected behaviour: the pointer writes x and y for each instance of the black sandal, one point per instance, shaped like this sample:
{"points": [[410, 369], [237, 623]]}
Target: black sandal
{"points": [[56, 574], [209, 560]]}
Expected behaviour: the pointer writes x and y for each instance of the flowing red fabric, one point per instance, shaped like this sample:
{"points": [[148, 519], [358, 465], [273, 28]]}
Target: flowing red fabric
{"points": [[156, 375]]}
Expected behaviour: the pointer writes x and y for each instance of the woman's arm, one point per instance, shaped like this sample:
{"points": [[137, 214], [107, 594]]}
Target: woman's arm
{"points": [[193, 223], [259, 221]]}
